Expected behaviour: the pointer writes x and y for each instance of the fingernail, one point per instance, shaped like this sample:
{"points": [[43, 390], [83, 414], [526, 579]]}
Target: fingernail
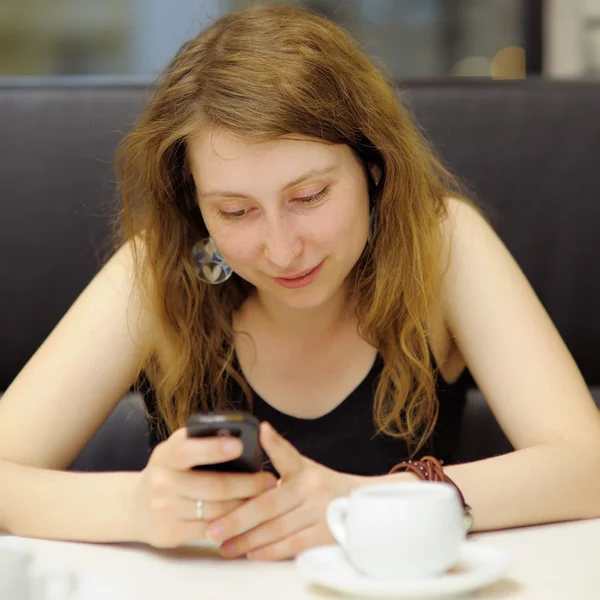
{"points": [[273, 483], [215, 533], [231, 446], [228, 550]]}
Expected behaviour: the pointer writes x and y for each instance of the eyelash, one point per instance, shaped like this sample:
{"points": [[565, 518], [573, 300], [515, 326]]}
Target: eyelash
{"points": [[306, 200]]}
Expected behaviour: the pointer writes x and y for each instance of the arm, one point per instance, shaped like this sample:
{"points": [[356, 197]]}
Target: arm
{"points": [[57, 505], [533, 387], [59, 400], [55, 405], [531, 384]]}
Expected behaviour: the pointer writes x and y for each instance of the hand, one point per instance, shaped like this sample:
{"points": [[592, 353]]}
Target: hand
{"points": [[163, 507], [284, 521]]}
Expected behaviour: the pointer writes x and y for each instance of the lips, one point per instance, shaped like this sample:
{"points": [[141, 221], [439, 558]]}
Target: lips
{"points": [[301, 278], [298, 275]]}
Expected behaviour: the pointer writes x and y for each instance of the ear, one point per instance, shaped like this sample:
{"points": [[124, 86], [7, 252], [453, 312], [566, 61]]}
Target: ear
{"points": [[376, 173]]}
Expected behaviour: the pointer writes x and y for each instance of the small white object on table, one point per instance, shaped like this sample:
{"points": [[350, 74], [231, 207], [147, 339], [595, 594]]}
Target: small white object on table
{"points": [[559, 560]]}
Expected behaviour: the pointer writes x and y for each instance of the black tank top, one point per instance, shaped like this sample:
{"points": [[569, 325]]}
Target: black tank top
{"points": [[345, 439]]}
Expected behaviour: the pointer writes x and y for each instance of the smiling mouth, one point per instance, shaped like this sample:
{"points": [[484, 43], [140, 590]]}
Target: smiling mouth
{"points": [[299, 274], [302, 279]]}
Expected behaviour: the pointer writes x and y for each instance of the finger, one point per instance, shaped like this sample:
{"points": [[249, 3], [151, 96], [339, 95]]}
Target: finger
{"points": [[317, 535], [253, 513], [175, 508], [284, 457], [181, 453], [216, 487], [269, 532], [186, 509], [174, 533]]}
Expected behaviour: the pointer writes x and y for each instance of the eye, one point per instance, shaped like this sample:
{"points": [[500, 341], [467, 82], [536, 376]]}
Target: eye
{"points": [[314, 198], [306, 200], [236, 214]]}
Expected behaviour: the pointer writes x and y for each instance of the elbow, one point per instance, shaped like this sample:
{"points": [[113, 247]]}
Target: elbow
{"points": [[586, 463]]}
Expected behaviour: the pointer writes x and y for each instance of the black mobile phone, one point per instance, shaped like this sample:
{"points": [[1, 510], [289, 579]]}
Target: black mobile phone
{"points": [[233, 423]]}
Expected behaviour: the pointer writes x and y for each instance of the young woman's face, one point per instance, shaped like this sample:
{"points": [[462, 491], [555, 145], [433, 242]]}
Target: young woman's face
{"points": [[290, 216]]}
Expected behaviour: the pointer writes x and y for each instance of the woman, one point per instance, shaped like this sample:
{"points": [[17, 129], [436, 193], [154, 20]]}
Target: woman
{"points": [[289, 245]]}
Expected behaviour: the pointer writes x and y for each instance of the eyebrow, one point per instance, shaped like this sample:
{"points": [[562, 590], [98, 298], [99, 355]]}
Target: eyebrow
{"points": [[298, 180]]}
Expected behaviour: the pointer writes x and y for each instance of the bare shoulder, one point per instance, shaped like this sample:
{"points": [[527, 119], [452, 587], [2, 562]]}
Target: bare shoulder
{"points": [[466, 230], [507, 340], [442, 340], [81, 371], [469, 242], [463, 219]]}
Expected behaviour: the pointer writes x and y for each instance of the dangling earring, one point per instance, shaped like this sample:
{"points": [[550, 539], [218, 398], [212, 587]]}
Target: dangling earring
{"points": [[210, 265]]}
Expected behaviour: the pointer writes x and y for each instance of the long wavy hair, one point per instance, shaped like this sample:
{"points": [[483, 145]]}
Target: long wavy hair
{"points": [[260, 74]]}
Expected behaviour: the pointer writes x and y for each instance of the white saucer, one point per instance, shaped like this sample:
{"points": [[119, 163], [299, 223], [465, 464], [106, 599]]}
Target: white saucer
{"points": [[479, 565]]}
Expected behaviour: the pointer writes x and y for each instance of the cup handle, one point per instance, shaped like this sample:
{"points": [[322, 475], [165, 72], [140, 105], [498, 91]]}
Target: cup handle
{"points": [[336, 518]]}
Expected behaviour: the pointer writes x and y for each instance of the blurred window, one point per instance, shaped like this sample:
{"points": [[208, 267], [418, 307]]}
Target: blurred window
{"points": [[411, 38]]}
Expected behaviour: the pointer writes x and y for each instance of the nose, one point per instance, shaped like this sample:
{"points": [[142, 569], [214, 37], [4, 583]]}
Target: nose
{"points": [[282, 243]]}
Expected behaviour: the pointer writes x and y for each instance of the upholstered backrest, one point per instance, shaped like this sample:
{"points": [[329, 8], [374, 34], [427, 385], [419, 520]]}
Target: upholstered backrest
{"points": [[528, 150]]}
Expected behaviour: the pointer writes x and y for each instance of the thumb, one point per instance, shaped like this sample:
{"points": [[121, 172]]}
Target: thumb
{"points": [[284, 457]]}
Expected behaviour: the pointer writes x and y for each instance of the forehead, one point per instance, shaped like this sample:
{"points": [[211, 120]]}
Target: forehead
{"points": [[219, 157]]}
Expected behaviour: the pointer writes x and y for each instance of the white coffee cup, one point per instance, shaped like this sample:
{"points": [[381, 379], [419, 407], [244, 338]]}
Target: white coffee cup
{"points": [[393, 531]]}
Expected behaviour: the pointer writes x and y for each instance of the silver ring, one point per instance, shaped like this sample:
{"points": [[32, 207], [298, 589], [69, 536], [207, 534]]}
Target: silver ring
{"points": [[199, 510]]}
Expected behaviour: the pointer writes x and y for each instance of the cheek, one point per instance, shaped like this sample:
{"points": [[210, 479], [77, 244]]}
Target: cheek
{"points": [[237, 245], [345, 225]]}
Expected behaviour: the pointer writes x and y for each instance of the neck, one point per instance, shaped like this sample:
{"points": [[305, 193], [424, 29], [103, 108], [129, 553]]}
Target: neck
{"points": [[311, 323]]}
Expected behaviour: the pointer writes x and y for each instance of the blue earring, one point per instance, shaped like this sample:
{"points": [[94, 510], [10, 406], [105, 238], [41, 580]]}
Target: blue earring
{"points": [[210, 265]]}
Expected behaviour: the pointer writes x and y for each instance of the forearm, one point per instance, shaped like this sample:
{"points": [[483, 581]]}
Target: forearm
{"points": [[49, 504], [556, 481]]}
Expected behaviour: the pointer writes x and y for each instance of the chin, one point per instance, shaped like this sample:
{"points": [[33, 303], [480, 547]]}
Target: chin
{"points": [[306, 299]]}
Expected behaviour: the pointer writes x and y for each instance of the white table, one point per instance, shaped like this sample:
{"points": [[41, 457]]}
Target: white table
{"points": [[557, 561]]}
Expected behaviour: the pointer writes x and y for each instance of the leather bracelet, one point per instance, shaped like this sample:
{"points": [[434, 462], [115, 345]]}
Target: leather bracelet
{"points": [[430, 469]]}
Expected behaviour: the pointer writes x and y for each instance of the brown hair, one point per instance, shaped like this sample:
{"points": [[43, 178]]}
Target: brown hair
{"points": [[261, 74]]}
